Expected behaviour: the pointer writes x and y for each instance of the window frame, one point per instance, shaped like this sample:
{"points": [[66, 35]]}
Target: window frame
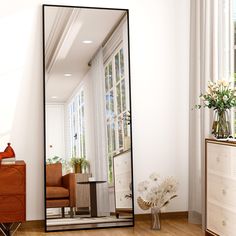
{"points": [[77, 125], [117, 117]]}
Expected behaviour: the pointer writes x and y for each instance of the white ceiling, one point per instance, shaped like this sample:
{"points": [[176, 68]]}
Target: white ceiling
{"points": [[73, 55]]}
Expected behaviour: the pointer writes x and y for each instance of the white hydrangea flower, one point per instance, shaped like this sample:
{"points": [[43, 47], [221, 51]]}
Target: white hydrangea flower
{"points": [[171, 184], [155, 190], [154, 176], [151, 197], [207, 103], [143, 186]]}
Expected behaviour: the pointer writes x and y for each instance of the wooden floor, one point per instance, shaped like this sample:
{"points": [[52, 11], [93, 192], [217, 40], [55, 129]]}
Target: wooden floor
{"points": [[170, 227]]}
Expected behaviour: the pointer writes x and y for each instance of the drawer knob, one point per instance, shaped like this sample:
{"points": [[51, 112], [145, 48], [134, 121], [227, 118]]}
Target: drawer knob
{"points": [[224, 192], [218, 159], [223, 223]]}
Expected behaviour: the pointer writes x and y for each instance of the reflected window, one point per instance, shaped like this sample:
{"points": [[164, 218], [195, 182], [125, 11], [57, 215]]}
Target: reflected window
{"points": [[77, 129], [116, 106]]}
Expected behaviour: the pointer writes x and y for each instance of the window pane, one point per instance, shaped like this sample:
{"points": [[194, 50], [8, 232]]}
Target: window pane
{"points": [[80, 133], [83, 133], [118, 98], [122, 71], [106, 78], [74, 151], [123, 95], [111, 103], [107, 105], [110, 76], [120, 133], [113, 137], [82, 97], [125, 127], [109, 148], [117, 66], [110, 169]]}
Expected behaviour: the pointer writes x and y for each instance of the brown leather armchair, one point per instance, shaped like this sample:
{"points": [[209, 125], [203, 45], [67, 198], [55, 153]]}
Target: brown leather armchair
{"points": [[60, 190]]}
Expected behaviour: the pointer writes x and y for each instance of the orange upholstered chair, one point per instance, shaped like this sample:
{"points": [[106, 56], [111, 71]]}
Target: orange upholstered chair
{"points": [[60, 190]]}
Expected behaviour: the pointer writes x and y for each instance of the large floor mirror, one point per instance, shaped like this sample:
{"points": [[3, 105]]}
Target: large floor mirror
{"points": [[88, 151]]}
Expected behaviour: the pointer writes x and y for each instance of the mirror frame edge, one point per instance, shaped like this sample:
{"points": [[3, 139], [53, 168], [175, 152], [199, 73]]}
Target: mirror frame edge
{"points": [[44, 114]]}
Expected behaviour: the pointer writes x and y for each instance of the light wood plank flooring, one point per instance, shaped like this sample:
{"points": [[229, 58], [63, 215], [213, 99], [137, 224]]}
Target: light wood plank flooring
{"points": [[170, 227]]}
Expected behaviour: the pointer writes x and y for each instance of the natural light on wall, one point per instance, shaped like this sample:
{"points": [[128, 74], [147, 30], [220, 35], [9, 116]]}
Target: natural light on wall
{"points": [[11, 76]]}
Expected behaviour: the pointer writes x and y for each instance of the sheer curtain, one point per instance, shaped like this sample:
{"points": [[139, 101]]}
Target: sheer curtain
{"points": [[210, 60], [100, 158]]}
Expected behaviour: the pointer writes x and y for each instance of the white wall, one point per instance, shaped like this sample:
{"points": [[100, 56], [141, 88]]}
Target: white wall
{"points": [[159, 75], [55, 136]]}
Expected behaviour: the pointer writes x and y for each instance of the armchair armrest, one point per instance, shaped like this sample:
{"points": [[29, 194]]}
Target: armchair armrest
{"points": [[68, 182]]}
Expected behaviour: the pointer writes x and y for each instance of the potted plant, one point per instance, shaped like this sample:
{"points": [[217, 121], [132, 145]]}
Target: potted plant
{"points": [[79, 164]]}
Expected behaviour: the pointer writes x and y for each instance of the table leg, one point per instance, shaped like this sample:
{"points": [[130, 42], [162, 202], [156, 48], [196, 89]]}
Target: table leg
{"points": [[93, 199]]}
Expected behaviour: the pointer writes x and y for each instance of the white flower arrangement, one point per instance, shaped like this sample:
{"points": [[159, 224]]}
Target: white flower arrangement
{"points": [[156, 193], [220, 96]]}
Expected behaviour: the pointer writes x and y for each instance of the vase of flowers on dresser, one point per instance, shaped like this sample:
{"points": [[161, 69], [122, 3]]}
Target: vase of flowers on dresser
{"points": [[220, 97], [155, 194]]}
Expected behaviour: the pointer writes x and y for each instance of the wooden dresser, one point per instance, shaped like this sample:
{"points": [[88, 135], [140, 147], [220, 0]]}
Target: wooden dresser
{"points": [[220, 187], [123, 183], [13, 192]]}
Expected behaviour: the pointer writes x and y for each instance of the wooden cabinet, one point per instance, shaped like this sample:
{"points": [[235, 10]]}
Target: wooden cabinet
{"points": [[82, 191], [220, 187], [13, 192], [123, 183]]}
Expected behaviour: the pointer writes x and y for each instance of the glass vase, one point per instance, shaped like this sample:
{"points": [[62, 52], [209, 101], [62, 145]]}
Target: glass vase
{"points": [[221, 127], [156, 221]]}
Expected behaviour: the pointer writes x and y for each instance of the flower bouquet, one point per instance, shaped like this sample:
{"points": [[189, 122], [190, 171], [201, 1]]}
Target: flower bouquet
{"points": [[220, 97], [156, 194]]}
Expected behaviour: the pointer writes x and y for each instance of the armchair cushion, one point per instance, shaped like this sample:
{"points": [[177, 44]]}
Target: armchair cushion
{"points": [[68, 181], [54, 174], [55, 203], [56, 192]]}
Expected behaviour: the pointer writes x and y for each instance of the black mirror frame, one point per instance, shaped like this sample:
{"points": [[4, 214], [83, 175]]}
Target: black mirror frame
{"points": [[44, 113]]}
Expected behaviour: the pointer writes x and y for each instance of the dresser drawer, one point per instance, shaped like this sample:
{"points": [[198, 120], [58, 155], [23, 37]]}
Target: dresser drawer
{"points": [[12, 179], [220, 220], [222, 190], [12, 208], [221, 158]]}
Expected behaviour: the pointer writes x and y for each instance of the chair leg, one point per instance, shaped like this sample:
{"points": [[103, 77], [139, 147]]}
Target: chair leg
{"points": [[71, 212], [63, 212]]}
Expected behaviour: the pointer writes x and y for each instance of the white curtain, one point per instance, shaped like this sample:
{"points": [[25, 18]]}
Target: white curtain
{"points": [[210, 60], [101, 163]]}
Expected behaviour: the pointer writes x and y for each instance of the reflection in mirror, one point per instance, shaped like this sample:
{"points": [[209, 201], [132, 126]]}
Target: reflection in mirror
{"points": [[88, 160]]}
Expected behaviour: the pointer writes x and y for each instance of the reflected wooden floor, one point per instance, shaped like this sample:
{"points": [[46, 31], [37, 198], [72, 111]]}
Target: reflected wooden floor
{"points": [[170, 227]]}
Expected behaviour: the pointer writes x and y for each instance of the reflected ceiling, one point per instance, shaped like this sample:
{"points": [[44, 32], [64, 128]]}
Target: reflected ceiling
{"points": [[67, 28]]}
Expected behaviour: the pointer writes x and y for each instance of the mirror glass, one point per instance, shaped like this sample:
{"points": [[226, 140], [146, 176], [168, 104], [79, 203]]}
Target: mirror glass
{"points": [[88, 155]]}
